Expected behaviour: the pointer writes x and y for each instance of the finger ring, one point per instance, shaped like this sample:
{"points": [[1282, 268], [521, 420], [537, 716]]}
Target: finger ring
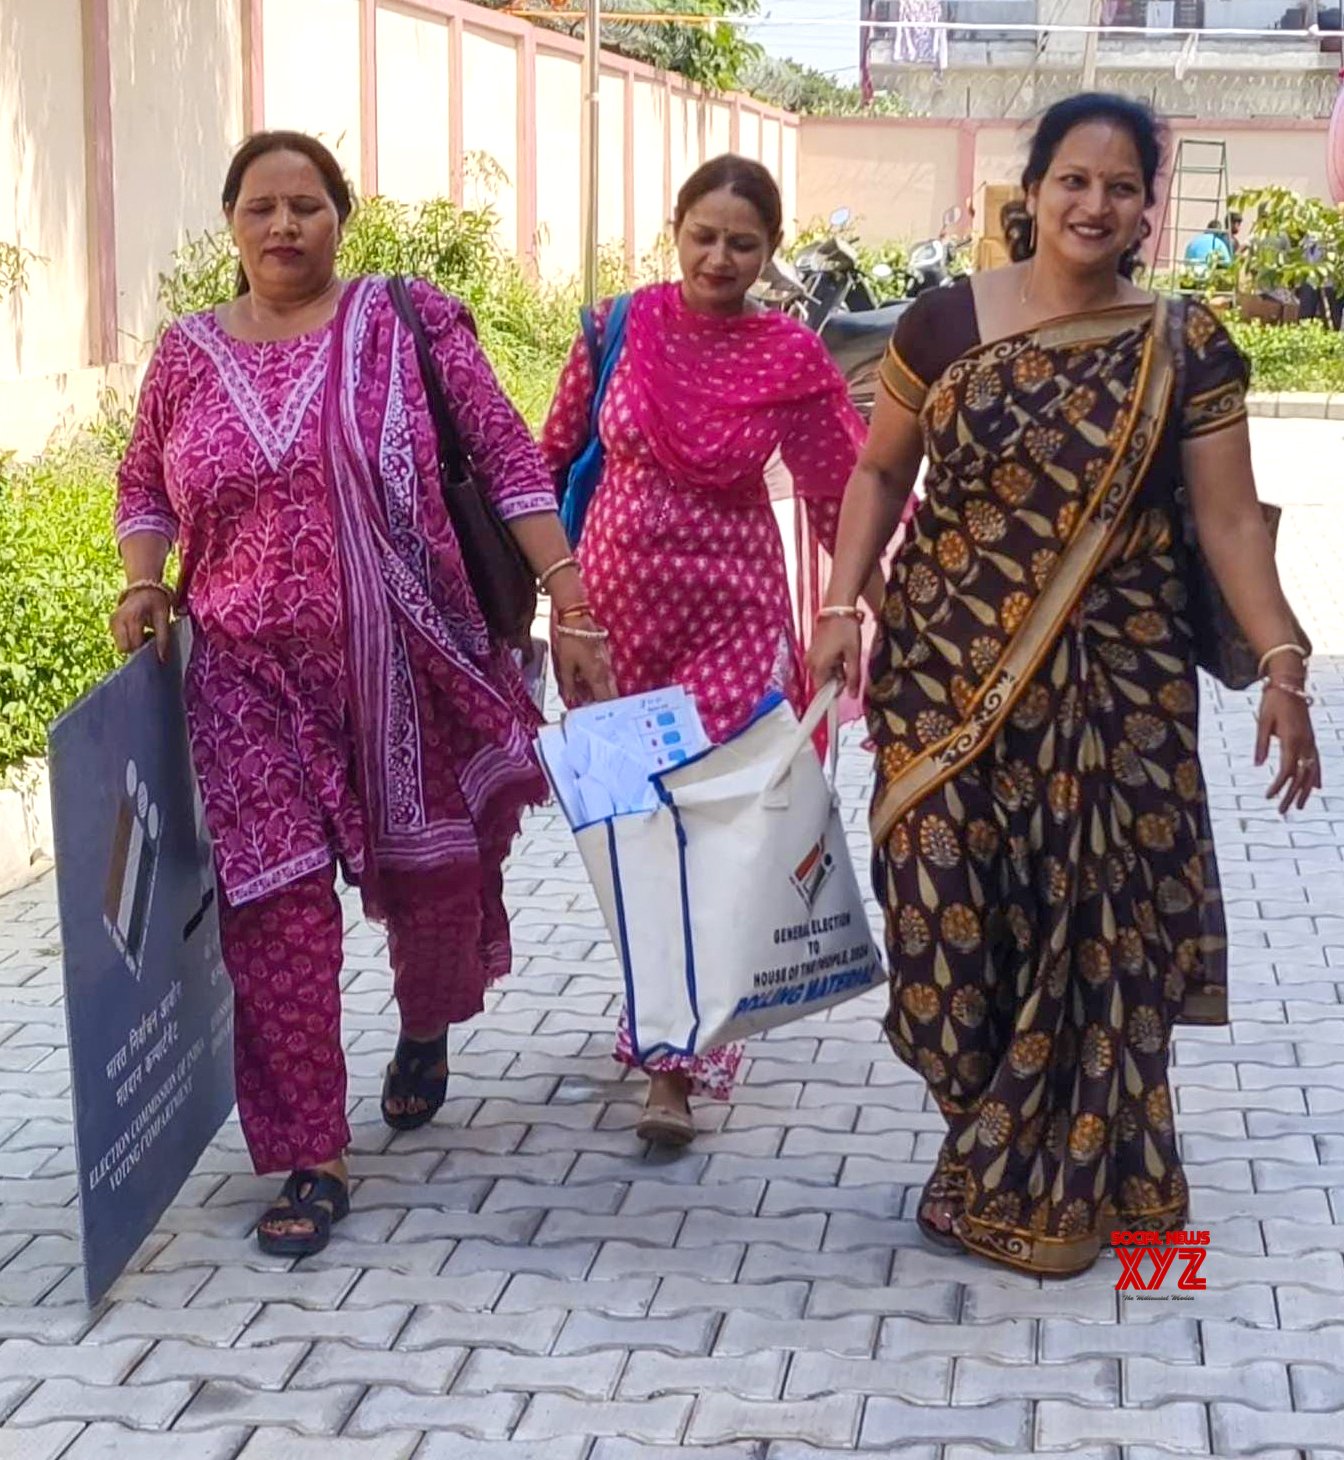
{"points": [[1306, 761]]}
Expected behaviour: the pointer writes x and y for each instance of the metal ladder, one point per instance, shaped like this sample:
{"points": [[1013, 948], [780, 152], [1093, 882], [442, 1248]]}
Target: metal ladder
{"points": [[1199, 191]]}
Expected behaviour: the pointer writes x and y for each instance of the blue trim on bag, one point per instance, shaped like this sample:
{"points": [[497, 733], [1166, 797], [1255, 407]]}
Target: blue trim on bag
{"points": [[586, 472], [625, 936], [692, 991]]}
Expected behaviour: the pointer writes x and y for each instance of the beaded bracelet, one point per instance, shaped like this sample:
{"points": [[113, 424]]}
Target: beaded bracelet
{"points": [[555, 568], [595, 636], [145, 583], [1289, 689]]}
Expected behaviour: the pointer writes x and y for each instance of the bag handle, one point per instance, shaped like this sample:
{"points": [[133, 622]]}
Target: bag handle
{"points": [[825, 706], [452, 458]]}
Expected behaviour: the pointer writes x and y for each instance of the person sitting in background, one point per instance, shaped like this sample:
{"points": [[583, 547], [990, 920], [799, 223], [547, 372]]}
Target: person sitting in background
{"points": [[1232, 235], [1209, 249]]}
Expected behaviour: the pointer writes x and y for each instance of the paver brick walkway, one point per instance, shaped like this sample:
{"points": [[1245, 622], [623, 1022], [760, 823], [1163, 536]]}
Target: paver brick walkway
{"points": [[520, 1282]]}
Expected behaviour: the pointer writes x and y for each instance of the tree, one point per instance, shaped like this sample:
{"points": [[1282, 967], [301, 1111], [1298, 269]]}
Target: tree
{"points": [[799, 88], [1295, 240], [713, 55]]}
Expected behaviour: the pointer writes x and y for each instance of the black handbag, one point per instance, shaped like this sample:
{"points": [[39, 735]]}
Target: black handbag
{"points": [[1221, 647], [503, 583]]}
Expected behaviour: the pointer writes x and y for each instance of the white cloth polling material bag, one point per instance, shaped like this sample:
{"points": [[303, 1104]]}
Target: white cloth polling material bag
{"points": [[734, 906]]}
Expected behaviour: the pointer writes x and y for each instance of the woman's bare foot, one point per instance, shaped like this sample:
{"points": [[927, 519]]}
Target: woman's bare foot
{"points": [[941, 1215]]}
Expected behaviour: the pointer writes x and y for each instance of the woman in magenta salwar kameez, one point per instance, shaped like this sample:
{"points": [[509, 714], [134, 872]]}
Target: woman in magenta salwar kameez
{"points": [[344, 699], [680, 548]]}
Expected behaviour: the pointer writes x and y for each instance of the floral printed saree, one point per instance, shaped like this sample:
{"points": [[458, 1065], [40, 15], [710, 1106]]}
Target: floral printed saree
{"points": [[1043, 850]]}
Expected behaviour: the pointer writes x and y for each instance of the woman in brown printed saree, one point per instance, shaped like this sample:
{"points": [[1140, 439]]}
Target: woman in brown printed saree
{"points": [[1040, 820]]}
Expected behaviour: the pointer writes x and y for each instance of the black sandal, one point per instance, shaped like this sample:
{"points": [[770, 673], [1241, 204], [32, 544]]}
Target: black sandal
{"points": [[315, 1197], [411, 1077]]}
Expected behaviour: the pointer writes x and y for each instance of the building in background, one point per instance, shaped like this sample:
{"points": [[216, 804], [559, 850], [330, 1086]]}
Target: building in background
{"points": [[988, 74]]}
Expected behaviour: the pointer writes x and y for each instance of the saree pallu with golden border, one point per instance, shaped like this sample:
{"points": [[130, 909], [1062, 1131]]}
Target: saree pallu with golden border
{"points": [[1040, 822]]}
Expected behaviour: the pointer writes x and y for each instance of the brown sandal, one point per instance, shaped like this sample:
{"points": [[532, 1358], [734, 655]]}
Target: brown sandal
{"points": [[661, 1127]]}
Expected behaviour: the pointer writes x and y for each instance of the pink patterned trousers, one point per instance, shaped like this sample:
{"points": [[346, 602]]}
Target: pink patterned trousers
{"points": [[283, 954]]}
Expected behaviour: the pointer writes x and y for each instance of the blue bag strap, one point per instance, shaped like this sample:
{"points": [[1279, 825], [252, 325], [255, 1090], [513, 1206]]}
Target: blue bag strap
{"points": [[586, 469], [588, 321], [612, 339]]}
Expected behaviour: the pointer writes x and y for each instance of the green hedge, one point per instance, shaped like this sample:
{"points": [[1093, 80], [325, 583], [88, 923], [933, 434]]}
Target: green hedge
{"points": [[58, 577], [1288, 357]]}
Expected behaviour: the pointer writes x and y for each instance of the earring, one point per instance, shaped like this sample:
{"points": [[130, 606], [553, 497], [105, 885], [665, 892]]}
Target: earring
{"points": [[1031, 240]]}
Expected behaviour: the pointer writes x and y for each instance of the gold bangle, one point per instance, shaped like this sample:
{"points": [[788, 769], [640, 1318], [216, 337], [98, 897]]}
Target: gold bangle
{"points": [[140, 583], [1290, 689], [555, 568], [842, 611], [595, 636], [1278, 649]]}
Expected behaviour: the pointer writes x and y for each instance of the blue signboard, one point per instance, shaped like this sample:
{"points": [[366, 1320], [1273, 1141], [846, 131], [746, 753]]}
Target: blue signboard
{"points": [[149, 1007]]}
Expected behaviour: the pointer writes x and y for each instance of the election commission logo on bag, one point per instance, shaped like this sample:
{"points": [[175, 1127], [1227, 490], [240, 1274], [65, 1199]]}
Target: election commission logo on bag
{"points": [[810, 875]]}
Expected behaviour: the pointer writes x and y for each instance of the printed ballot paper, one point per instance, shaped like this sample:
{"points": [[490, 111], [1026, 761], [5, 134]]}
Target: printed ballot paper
{"points": [[602, 757]]}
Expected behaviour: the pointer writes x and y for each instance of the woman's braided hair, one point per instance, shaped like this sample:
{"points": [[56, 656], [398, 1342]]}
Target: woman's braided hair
{"points": [[1136, 117]]}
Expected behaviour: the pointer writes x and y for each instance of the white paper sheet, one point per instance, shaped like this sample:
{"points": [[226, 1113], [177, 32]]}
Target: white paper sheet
{"points": [[601, 757]]}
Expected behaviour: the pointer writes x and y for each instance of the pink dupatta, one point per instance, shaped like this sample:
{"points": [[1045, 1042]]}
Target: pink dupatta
{"points": [[714, 396]]}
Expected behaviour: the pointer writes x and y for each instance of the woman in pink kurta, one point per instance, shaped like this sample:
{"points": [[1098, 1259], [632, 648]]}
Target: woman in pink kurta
{"points": [[680, 548], [345, 701]]}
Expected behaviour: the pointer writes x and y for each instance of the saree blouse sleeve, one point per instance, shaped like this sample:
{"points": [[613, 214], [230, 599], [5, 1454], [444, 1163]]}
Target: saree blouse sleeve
{"points": [[507, 461], [936, 329], [143, 504], [1216, 375]]}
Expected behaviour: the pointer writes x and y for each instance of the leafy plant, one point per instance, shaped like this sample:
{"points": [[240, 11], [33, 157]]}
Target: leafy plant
{"points": [[1292, 357], [14, 264], [58, 568], [896, 256], [1295, 240], [713, 55], [204, 272]]}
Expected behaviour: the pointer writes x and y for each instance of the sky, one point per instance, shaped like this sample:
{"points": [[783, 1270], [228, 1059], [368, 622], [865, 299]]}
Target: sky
{"points": [[833, 48]]}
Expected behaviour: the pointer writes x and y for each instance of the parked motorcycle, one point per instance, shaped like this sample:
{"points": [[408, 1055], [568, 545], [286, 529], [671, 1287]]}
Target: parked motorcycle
{"points": [[931, 262], [825, 289]]}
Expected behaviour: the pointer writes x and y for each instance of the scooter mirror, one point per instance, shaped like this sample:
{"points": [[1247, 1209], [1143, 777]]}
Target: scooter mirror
{"points": [[840, 217], [953, 215]]}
